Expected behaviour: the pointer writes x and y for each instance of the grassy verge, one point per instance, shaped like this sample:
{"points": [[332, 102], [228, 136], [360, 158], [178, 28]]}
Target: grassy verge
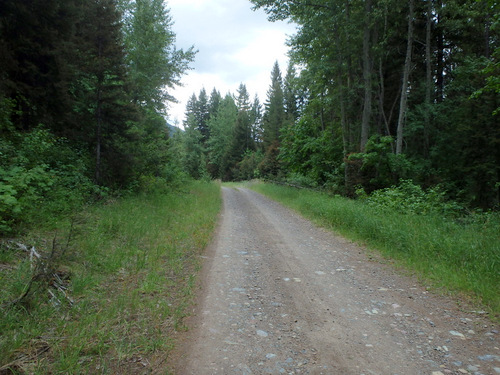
{"points": [[462, 258], [110, 299]]}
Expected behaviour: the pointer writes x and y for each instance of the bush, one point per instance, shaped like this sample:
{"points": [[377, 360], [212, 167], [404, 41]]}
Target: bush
{"points": [[21, 188], [248, 167], [41, 178], [408, 198], [302, 181], [381, 167]]}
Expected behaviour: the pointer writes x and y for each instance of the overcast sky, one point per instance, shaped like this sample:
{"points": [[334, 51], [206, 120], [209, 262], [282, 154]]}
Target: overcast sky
{"points": [[236, 45]]}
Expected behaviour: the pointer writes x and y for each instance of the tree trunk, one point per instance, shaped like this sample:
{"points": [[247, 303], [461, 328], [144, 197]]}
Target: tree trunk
{"points": [[428, 78], [367, 66], [98, 139], [100, 84], [404, 87], [440, 57]]}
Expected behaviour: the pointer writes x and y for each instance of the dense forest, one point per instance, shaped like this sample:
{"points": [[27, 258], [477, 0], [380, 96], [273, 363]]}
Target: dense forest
{"points": [[106, 209], [83, 93], [377, 93]]}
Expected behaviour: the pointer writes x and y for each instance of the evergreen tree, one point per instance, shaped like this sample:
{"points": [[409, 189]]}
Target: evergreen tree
{"points": [[273, 120], [214, 103], [242, 139], [36, 65], [290, 95], [191, 108], [193, 157], [202, 115], [101, 92], [274, 114], [256, 122], [221, 138]]}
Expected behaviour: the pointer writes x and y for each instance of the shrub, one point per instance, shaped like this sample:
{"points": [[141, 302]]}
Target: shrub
{"points": [[248, 167], [301, 180], [41, 177], [409, 198]]}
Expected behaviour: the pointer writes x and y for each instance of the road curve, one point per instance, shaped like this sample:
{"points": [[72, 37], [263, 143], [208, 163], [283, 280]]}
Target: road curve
{"points": [[281, 296]]}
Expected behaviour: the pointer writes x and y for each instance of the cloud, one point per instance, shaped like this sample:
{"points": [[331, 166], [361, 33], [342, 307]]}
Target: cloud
{"points": [[236, 45]]}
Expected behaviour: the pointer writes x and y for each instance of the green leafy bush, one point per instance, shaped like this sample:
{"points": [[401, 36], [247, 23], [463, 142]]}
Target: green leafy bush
{"points": [[301, 180], [408, 198], [21, 188], [41, 177], [248, 167], [381, 167]]}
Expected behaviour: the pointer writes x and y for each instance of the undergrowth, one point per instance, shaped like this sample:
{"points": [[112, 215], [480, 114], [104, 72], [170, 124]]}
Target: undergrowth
{"points": [[461, 254], [107, 298]]}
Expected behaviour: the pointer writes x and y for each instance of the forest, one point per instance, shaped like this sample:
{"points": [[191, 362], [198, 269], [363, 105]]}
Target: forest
{"points": [[83, 95], [389, 109], [377, 93]]}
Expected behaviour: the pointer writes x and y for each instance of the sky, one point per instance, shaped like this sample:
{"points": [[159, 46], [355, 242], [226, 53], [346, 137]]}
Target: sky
{"points": [[235, 45]]}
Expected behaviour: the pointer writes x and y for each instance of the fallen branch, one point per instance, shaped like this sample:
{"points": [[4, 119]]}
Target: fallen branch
{"points": [[19, 364], [44, 270]]}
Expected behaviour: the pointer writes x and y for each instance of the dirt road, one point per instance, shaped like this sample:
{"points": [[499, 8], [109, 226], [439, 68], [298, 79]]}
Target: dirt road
{"points": [[280, 296]]}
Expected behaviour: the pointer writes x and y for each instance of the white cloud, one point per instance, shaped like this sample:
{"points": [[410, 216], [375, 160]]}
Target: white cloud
{"points": [[236, 45]]}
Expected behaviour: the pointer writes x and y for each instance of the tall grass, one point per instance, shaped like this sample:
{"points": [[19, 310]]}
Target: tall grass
{"points": [[130, 271], [461, 257]]}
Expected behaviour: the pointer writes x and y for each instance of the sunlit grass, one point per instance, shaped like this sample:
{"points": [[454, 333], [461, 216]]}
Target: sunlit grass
{"points": [[132, 264], [459, 257]]}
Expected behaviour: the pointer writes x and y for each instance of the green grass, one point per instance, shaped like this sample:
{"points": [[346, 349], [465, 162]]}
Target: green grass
{"points": [[130, 271], [463, 258]]}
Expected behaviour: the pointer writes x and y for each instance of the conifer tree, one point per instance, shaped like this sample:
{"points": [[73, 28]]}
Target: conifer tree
{"points": [[193, 157], [256, 122], [101, 92], [274, 114], [202, 115], [221, 137], [243, 139], [290, 95], [36, 64], [214, 103]]}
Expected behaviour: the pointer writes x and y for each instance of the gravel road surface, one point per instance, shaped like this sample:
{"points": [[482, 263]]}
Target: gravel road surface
{"points": [[281, 296]]}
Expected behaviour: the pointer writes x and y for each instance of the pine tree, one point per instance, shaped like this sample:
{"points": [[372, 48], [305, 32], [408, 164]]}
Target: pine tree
{"points": [[256, 122], [191, 106], [36, 37], [193, 158], [243, 139], [214, 103], [202, 115], [290, 95], [101, 93], [274, 114], [221, 138]]}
